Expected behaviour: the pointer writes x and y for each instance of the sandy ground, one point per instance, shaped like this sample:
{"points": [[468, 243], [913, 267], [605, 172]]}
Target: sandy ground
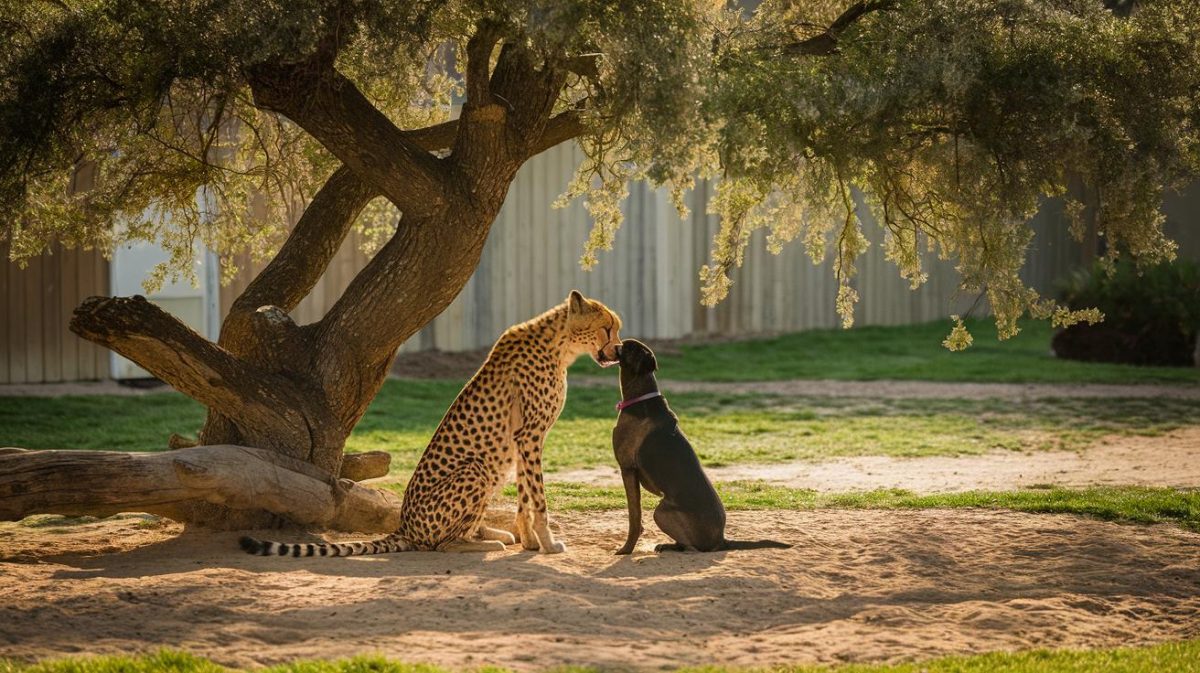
{"points": [[858, 586], [1172, 460]]}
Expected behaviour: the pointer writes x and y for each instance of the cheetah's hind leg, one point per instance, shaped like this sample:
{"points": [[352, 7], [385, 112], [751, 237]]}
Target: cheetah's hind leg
{"points": [[486, 533], [472, 545]]}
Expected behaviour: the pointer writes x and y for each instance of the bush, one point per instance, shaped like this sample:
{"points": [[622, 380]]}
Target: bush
{"points": [[1151, 315]]}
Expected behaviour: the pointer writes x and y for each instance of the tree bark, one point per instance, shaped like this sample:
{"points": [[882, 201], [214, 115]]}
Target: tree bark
{"points": [[103, 483], [297, 391]]}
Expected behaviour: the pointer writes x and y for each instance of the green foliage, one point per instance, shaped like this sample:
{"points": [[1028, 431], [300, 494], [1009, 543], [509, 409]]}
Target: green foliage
{"points": [[1166, 658], [1163, 299], [955, 118], [948, 120], [152, 101]]}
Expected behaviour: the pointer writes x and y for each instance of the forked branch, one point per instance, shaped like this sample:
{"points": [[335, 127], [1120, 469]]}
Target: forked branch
{"points": [[310, 247], [331, 108], [826, 42]]}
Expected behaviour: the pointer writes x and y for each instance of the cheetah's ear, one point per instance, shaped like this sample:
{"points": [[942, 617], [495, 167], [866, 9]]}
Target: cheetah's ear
{"points": [[576, 304]]}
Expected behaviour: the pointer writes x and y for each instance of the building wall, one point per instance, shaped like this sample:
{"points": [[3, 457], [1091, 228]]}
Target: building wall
{"points": [[36, 304]]}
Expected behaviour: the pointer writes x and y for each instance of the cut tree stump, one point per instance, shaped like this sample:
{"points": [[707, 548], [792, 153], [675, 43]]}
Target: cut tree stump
{"points": [[365, 465], [103, 483]]}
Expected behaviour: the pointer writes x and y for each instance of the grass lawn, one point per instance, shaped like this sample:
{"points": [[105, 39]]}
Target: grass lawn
{"points": [[1132, 504], [1178, 657], [724, 428], [910, 352]]}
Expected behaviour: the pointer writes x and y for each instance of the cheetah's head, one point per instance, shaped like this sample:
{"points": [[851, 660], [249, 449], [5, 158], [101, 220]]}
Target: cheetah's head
{"points": [[593, 328]]}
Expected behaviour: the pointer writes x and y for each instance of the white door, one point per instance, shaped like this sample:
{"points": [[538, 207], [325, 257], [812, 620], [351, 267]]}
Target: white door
{"points": [[195, 306]]}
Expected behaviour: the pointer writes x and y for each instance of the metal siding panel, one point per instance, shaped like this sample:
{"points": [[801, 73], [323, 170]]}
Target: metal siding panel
{"points": [[53, 323], [33, 320], [6, 311]]}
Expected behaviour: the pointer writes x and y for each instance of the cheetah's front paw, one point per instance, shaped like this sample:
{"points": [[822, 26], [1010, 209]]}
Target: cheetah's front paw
{"points": [[555, 547]]}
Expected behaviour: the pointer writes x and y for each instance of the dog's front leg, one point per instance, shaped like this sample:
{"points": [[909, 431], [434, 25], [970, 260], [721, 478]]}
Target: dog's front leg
{"points": [[633, 501]]}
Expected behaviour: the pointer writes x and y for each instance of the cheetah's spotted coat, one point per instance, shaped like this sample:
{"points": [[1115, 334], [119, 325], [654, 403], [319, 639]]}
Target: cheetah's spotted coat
{"points": [[500, 418]]}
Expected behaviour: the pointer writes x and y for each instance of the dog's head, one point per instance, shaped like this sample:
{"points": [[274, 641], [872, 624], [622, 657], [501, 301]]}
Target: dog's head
{"points": [[636, 358]]}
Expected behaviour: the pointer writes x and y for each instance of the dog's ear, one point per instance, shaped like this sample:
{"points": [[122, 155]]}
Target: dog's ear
{"points": [[651, 362], [576, 304]]}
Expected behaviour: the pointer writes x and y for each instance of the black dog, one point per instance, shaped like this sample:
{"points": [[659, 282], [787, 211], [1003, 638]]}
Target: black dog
{"points": [[653, 452]]}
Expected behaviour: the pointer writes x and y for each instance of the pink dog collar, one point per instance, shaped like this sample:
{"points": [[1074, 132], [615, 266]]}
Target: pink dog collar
{"points": [[641, 398]]}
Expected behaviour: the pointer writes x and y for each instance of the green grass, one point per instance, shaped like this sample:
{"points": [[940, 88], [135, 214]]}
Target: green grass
{"points": [[1131, 504], [1177, 657], [910, 352], [724, 428]]}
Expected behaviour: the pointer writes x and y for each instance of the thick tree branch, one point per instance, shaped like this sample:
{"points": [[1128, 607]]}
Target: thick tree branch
{"points": [[103, 483], [825, 43], [311, 245], [561, 128], [479, 61], [531, 89], [426, 263], [315, 239], [331, 108], [434, 138], [481, 151], [173, 352]]}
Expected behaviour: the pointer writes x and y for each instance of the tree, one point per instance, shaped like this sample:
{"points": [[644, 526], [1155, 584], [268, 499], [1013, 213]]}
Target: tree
{"points": [[954, 118]]}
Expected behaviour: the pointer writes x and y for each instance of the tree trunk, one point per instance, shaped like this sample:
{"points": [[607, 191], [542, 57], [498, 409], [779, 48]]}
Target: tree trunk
{"points": [[296, 392]]}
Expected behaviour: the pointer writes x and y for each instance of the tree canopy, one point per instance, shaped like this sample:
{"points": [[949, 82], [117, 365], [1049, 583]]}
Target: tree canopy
{"points": [[953, 117]]}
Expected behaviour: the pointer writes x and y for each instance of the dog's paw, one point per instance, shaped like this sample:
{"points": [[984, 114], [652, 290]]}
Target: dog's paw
{"points": [[624, 551], [555, 547]]}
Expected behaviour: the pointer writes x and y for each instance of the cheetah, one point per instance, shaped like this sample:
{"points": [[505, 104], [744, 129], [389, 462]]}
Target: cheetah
{"points": [[499, 421]]}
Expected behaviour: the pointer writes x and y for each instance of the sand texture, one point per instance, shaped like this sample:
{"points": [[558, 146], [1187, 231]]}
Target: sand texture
{"points": [[858, 586]]}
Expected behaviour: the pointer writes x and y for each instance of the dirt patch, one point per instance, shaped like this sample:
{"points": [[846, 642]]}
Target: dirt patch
{"points": [[858, 586], [106, 387], [435, 364], [1171, 460]]}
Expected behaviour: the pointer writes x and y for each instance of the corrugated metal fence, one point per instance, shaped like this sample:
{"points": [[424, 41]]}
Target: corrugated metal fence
{"points": [[35, 306], [531, 263], [652, 275]]}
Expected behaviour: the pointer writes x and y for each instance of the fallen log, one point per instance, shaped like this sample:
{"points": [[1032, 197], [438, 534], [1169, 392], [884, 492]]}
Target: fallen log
{"points": [[103, 483]]}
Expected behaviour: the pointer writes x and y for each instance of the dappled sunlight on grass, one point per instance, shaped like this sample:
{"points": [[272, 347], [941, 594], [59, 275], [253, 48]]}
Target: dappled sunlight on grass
{"points": [[1135, 504], [730, 429], [725, 428]]}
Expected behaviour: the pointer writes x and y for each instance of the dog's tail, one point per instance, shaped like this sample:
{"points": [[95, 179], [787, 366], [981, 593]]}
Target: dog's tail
{"points": [[734, 545]]}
